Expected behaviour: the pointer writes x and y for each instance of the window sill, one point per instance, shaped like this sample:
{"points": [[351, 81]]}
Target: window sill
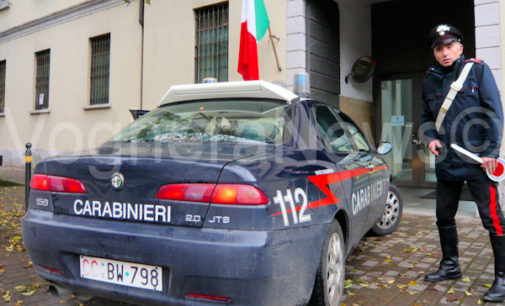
{"points": [[98, 106], [40, 111]]}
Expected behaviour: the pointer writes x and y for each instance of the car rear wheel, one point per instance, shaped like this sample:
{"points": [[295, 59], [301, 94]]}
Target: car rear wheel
{"points": [[392, 213], [330, 278]]}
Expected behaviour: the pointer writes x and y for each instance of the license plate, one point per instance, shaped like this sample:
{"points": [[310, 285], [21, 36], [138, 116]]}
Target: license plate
{"points": [[121, 273]]}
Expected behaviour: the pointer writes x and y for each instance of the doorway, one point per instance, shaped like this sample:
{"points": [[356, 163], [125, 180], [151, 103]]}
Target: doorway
{"points": [[409, 161]]}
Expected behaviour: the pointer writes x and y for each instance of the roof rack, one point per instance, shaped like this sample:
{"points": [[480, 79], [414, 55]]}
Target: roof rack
{"points": [[242, 89]]}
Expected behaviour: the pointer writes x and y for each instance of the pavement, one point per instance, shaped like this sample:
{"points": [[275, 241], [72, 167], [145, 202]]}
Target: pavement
{"points": [[386, 270]]}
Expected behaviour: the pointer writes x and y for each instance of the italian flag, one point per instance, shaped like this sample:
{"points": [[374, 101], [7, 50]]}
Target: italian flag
{"points": [[254, 26]]}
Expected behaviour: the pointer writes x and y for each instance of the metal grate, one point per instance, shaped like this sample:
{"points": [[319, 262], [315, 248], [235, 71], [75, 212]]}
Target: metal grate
{"points": [[211, 50], [42, 79], [100, 64], [2, 86]]}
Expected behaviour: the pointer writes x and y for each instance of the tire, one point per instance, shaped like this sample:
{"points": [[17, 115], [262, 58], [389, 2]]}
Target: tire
{"points": [[392, 213], [330, 278]]}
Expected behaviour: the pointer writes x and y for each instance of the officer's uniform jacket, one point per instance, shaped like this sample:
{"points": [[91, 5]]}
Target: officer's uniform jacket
{"points": [[474, 120]]}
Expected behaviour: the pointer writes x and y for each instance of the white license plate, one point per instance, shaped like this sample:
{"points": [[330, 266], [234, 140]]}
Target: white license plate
{"points": [[121, 273]]}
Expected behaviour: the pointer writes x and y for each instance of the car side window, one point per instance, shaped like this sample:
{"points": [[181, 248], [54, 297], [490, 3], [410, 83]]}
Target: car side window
{"points": [[332, 130], [356, 134]]}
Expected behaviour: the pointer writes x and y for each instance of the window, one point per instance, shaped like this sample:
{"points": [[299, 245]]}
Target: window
{"points": [[355, 132], [241, 121], [331, 130], [100, 63], [2, 86], [211, 50], [42, 79]]}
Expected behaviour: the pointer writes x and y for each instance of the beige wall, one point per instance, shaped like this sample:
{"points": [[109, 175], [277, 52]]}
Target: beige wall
{"points": [[170, 42], [502, 46], [22, 11], [68, 126], [361, 112]]}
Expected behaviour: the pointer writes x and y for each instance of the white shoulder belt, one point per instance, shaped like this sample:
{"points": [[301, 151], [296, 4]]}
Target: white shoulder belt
{"points": [[453, 91]]}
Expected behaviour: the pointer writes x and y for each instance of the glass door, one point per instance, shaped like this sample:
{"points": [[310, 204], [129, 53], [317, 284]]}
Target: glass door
{"points": [[400, 111]]}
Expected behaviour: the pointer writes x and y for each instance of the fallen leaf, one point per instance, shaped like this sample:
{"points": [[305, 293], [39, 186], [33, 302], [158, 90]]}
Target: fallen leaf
{"points": [[350, 293], [364, 283], [451, 290], [18, 303], [2, 266], [450, 300], [7, 296], [402, 286], [488, 285], [466, 279], [479, 302], [412, 283], [347, 283], [412, 292], [29, 293], [20, 288], [63, 301], [468, 293], [391, 281]]}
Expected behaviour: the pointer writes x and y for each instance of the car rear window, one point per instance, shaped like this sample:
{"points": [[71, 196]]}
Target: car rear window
{"points": [[231, 120]]}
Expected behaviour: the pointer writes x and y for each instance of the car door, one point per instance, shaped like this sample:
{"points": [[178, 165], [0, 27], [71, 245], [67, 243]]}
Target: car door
{"points": [[354, 175], [379, 176]]}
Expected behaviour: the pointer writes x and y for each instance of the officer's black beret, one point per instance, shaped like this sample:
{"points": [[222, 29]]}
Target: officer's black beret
{"points": [[444, 34]]}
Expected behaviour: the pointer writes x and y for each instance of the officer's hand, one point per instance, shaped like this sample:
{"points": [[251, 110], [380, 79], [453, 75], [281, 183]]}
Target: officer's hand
{"points": [[434, 145], [489, 163]]}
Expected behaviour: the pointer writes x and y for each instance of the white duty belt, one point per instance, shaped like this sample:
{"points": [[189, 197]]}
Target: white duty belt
{"points": [[451, 95]]}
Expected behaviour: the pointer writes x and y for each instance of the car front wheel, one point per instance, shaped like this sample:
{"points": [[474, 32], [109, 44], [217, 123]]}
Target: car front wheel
{"points": [[392, 213], [330, 278]]}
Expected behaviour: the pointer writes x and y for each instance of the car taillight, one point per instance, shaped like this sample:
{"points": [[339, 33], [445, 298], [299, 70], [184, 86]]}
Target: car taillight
{"points": [[232, 194], [186, 192], [56, 184], [238, 194]]}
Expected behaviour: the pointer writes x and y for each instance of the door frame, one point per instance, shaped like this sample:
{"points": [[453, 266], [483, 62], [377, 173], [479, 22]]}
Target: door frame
{"points": [[418, 165]]}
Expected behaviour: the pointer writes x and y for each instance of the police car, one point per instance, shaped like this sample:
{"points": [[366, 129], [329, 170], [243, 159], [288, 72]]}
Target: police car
{"points": [[239, 192]]}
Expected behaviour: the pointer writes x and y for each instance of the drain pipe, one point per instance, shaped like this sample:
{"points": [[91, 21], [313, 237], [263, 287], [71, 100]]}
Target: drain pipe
{"points": [[141, 21]]}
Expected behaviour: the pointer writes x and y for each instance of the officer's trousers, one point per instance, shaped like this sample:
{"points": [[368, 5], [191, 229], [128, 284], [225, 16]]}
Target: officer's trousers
{"points": [[484, 193]]}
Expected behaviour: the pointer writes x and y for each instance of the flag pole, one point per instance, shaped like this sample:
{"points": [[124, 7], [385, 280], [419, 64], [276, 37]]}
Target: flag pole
{"points": [[275, 50]]}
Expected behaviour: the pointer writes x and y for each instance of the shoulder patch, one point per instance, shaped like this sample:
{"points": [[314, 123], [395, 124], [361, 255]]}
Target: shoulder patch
{"points": [[474, 60]]}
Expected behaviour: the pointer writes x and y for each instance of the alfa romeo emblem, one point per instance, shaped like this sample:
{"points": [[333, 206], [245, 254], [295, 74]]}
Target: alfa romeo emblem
{"points": [[117, 181]]}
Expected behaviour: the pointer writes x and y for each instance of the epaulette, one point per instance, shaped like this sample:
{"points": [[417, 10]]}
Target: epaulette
{"points": [[430, 71], [474, 60]]}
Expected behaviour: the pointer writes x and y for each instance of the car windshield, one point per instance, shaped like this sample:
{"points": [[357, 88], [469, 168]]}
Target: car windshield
{"points": [[231, 120]]}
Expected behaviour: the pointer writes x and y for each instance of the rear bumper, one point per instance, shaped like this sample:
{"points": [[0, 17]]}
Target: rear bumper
{"points": [[250, 267]]}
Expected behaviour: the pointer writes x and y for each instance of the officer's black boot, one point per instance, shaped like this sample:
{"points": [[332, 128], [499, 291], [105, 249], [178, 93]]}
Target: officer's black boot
{"points": [[497, 292], [449, 266]]}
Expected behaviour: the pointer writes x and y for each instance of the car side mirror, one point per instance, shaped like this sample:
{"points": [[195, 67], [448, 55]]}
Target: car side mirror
{"points": [[384, 148]]}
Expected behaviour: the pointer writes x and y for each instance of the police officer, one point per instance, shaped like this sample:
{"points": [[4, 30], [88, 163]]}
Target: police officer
{"points": [[473, 121]]}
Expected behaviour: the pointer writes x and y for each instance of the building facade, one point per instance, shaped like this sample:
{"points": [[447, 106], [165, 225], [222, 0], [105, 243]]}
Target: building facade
{"points": [[70, 71]]}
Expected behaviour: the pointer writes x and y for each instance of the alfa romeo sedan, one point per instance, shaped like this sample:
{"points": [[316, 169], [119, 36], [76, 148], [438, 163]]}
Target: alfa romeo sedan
{"points": [[235, 193]]}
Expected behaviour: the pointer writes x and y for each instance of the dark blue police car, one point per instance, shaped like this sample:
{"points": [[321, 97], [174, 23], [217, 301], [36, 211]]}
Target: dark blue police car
{"points": [[237, 193]]}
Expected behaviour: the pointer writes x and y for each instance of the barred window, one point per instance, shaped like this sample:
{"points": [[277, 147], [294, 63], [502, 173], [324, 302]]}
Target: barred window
{"points": [[2, 86], [100, 64], [42, 79], [211, 50]]}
